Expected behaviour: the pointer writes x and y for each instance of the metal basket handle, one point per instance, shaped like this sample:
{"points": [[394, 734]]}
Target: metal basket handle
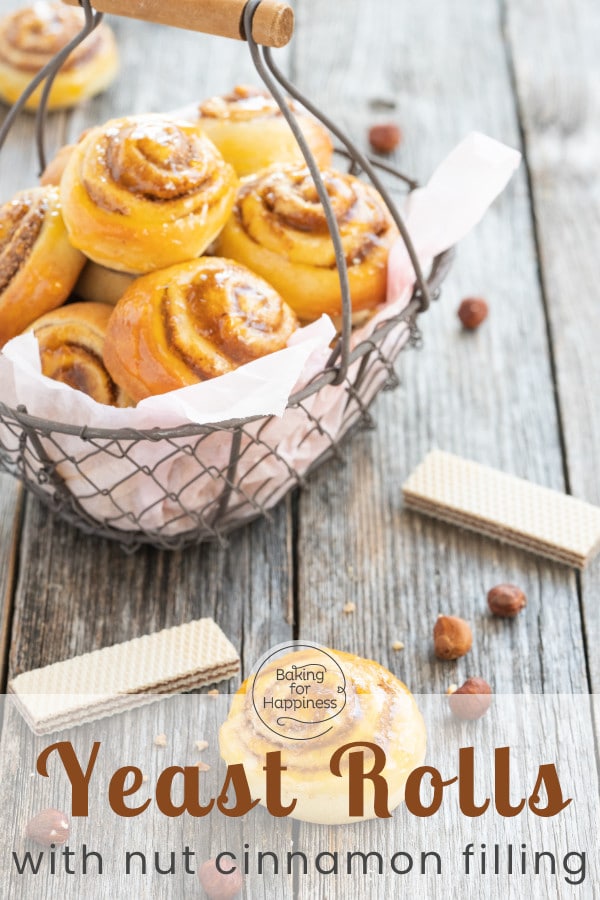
{"points": [[273, 25], [264, 24]]}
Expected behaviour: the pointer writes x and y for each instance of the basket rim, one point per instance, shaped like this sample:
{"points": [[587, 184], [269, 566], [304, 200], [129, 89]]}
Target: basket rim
{"points": [[439, 269]]}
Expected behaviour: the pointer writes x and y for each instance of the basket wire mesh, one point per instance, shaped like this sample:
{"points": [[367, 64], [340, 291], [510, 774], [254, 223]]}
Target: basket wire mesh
{"points": [[174, 487]]}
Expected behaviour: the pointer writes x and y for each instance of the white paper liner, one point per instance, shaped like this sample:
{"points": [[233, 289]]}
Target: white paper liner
{"points": [[155, 485]]}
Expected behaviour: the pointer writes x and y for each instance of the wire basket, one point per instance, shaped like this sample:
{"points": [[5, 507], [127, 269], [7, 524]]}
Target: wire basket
{"points": [[180, 486]]}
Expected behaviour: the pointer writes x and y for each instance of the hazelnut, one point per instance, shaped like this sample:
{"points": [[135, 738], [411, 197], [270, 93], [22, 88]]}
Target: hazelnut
{"points": [[384, 138], [217, 885], [50, 826], [452, 637], [472, 700], [472, 312], [506, 600]]}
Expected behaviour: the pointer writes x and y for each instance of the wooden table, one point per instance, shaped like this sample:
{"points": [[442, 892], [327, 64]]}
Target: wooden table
{"points": [[521, 394]]}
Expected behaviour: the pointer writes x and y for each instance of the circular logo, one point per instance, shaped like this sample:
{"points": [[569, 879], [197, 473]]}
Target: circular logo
{"points": [[298, 689]]}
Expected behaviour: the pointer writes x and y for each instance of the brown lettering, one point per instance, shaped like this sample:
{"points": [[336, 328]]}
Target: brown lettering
{"points": [[466, 784], [502, 785], [117, 791], [548, 778], [79, 779], [191, 792], [412, 793], [236, 777], [357, 776], [273, 768]]}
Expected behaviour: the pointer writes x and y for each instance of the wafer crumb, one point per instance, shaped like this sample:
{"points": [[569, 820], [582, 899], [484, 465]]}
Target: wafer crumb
{"points": [[202, 766], [349, 608], [452, 689], [201, 745], [397, 645], [213, 693], [160, 740], [144, 778]]}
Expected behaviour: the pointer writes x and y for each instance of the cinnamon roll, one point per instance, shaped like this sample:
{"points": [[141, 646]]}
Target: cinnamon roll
{"points": [[71, 341], [190, 323], [278, 229], [250, 131], [355, 700], [101, 285], [38, 265], [30, 37], [145, 192]]}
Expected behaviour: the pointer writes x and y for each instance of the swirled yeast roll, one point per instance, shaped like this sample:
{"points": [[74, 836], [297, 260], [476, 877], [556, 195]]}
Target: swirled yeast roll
{"points": [[278, 229], [250, 131], [192, 322], [38, 265], [30, 37], [71, 341], [375, 708], [145, 192]]}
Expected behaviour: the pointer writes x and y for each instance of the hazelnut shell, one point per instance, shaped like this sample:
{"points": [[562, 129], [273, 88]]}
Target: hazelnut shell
{"points": [[452, 637]]}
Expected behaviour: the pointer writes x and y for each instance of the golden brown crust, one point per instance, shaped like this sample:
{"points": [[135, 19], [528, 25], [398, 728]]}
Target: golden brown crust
{"points": [[376, 708], [279, 230], [145, 192], [193, 322], [38, 265], [71, 341], [250, 131], [30, 37]]}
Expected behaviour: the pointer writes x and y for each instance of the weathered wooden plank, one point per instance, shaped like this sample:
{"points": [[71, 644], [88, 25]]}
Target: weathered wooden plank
{"points": [[488, 395], [65, 574], [77, 593], [10, 523], [557, 74]]}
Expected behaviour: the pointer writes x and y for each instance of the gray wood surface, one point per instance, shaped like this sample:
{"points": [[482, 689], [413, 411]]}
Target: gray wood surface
{"points": [[557, 71], [520, 394], [488, 396]]}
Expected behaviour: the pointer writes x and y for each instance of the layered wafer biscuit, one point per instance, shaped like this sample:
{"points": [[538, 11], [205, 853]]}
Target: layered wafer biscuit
{"points": [[107, 681], [501, 506]]}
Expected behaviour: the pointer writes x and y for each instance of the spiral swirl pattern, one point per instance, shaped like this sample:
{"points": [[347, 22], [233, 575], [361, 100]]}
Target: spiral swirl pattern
{"points": [[38, 265], [241, 105], [193, 322], [279, 226], [145, 192], [21, 221], [249, 129], [71, 342], [31, 37], [378, 709]]}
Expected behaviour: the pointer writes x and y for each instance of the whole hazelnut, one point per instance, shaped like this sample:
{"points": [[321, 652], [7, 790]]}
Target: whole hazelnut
{"points": [[506, 600], [50, 826], [452, 637], [217, 885], [384, 138], [472, 700], [472, 312]]}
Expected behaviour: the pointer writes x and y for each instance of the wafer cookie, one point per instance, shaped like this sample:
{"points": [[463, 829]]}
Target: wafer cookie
{"points": [[513, 510], [137, 672]]}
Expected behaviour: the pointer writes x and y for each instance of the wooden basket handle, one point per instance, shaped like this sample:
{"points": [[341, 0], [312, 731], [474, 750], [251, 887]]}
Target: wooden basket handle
{"points": [[273, 22]]}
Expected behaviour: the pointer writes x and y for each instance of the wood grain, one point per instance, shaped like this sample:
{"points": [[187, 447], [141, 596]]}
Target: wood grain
{"points": [[557, 75], [76, 593], [487, 396], [440, 69]]}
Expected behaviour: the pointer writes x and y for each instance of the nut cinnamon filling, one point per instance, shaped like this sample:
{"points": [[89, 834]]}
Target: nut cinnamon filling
{"points": [[21, 222]]}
